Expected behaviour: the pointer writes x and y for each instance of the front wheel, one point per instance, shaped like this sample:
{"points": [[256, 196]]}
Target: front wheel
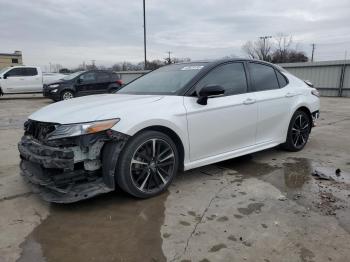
{"points": [[298, 132], [148, 164], [67, 94]]}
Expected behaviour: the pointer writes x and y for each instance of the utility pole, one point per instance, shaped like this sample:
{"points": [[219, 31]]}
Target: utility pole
{"points": [[169, 59], [264, 38], [313, 51], [144, 33]]}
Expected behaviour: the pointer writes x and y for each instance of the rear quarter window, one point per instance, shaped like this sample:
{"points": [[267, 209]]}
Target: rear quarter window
{"points": [[282, 80], [115, 77]]}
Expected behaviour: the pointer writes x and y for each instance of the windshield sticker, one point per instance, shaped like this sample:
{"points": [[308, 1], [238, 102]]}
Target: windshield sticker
{"points": [[192, 68]]}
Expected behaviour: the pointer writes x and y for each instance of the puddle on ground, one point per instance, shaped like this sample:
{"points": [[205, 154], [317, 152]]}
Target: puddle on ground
{"points": [[294, 176], [290, 179], [295, 181], [113, 227]]}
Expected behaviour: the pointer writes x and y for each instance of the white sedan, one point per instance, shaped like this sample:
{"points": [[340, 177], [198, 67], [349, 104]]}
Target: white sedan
{"points": [[178, 117]]}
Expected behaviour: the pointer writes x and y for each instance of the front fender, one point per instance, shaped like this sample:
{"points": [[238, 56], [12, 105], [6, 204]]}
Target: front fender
{"points": [[176, 126]]}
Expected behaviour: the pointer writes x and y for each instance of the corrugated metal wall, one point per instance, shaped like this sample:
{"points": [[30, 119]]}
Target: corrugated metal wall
{"points": [[331, 78], [128, 76]]}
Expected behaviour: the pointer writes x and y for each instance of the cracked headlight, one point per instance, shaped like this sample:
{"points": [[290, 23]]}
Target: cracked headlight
{"points": [[79, 129], [54, 85]]}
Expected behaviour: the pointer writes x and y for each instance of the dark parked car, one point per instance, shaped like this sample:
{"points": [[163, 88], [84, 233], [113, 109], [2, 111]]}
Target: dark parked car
{"points": [[83, 83]]}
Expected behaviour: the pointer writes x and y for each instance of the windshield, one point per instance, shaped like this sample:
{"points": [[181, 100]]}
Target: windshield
{"points": [[167, 80], [71, 76]]}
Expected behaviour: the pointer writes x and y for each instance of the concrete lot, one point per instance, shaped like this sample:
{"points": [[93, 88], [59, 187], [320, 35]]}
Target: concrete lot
{"points": [[262, 207]]}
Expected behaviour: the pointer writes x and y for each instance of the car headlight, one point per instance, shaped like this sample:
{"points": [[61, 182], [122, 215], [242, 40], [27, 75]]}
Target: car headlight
{"points": [[54, 85], [54, 90], [79, 129]]}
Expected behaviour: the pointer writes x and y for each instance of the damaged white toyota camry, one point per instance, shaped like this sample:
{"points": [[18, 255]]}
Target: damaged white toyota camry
{"points": [[178, 117]]}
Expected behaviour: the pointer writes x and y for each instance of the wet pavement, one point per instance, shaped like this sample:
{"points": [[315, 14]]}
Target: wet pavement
{"points": [[262, 207], [113, 227]]}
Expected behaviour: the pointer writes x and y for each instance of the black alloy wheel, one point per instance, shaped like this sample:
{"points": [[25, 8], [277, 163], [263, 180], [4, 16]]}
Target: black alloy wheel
{"points": [[148, 164], [152, 165], [298, 132]]}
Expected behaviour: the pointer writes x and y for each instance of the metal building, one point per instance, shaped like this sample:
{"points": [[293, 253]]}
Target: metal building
{"points": [[331, 78]]}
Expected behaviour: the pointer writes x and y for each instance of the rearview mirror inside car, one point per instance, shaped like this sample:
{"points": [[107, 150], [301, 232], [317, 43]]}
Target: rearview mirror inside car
{"points": [[209, 91]]}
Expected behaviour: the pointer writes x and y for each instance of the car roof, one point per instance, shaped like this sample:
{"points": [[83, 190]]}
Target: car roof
{"points": [[215, 62]]}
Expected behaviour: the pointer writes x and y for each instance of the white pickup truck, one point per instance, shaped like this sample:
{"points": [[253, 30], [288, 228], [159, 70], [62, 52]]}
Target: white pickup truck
{"points": [[25, 79]]}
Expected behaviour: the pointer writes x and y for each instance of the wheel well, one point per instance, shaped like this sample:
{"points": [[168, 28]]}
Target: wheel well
{"points": [[307, 111], [67, 89], [174, 137]]}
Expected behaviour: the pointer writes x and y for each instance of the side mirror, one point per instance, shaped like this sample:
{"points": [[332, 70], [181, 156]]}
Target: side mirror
{"points": [[5, 76], [209, 91], [79, 80]]}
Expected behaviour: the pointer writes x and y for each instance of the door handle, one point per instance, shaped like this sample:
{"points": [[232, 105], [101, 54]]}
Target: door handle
{"points": [[290, 94], [249, 101]]}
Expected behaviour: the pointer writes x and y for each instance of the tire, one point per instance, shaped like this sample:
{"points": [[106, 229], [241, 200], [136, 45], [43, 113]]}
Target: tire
{"points": [[66, 95], [298, 132], [142, 173]]}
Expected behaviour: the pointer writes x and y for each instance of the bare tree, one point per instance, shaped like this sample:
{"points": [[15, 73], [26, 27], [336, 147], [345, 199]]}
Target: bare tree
{"points": [[259, 49], [281, 50]]}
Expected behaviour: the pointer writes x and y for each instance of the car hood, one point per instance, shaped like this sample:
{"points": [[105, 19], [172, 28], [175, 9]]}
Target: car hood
{"points": [[60, 82], [92, 108]]}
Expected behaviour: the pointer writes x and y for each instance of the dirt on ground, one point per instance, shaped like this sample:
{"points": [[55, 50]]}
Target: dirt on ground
{"points": [[269, 206]]}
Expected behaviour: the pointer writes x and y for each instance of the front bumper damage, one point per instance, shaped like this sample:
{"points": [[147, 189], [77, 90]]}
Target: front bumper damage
{"points": [[71, 169]]}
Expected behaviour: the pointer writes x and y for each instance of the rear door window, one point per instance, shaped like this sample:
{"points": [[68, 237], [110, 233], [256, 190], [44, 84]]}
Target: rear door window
{"points": [[102, 77], [229, 76], [263, 77], [88, 77], [30, 71]]}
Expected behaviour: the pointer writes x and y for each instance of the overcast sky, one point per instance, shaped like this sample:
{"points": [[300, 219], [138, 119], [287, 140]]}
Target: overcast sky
{"points": [[69, 32]]}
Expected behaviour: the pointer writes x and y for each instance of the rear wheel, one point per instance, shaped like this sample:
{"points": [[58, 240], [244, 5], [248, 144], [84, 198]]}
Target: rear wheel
{"points": [[147, 164], [298, 132], [66, 95]]}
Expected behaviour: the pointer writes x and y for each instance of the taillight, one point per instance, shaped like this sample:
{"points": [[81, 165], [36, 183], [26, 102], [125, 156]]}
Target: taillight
{"points": [[315, 92], [119, 82]]}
